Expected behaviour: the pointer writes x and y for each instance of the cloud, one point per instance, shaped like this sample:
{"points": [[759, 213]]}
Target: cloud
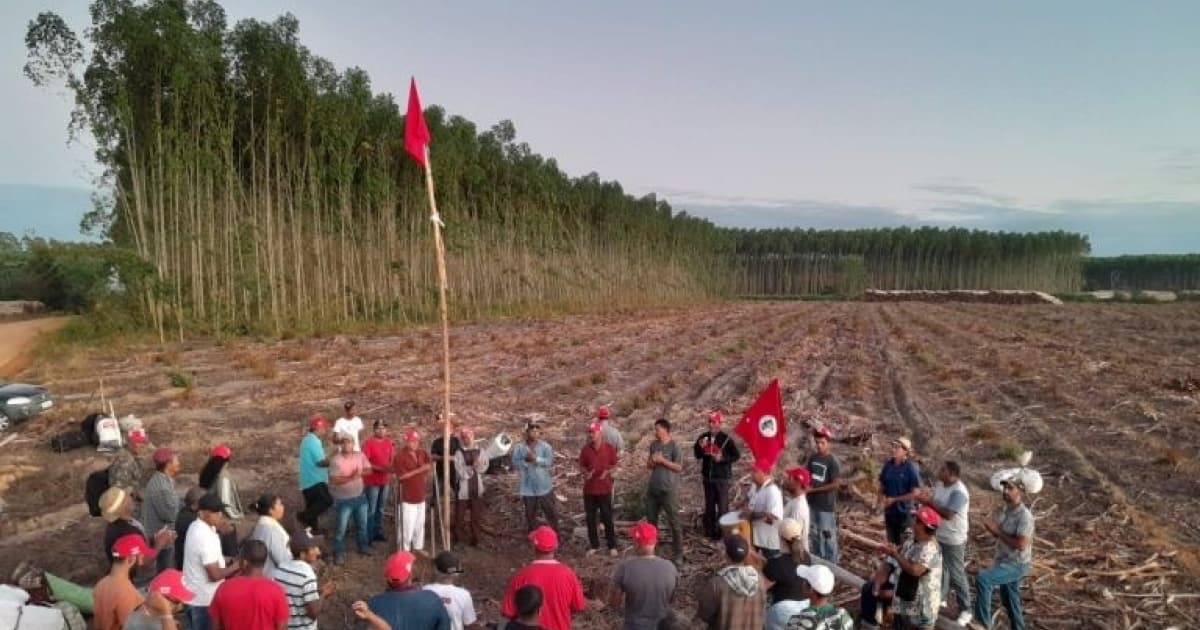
{"points": [[965, 191]]}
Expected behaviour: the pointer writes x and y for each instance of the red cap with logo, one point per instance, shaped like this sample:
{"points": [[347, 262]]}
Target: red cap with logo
{"points": [[170, 584], [544, 539], [399, 567], [644, 534], [602, 413], [131, 545], [138, 436], [412, 436], [929, 516], [594, 427], [716, 418], [823, 431], [318, 422], [800, 475], [222, 451]]}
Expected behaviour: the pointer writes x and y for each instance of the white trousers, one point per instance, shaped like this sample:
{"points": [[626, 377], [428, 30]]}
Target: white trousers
{"points": [[410, 529]]}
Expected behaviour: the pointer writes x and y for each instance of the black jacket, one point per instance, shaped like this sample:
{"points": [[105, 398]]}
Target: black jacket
{"points": [[729, 454]]}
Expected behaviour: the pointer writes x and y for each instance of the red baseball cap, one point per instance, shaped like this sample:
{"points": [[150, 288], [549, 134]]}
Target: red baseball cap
{"points": [[138, 436], [594, 427], [131, 545], [801, 475], [170, 583], [929, 516], [715, 418], [644, 534], [222, 450], [602, 413], [544, 539], [318, 422], [399, 567], [412, 436], [823, 431], [162, 456]]}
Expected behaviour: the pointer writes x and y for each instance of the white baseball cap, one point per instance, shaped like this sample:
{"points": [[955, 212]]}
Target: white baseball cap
{"points": [[819, 577]]}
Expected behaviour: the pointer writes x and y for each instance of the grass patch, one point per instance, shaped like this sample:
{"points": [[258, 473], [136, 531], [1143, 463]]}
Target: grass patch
{"points": [[179, 380], [260, 366], [1010, 449]]}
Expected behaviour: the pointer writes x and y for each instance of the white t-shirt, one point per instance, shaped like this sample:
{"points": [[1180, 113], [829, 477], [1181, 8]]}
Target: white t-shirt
{"points": [[203, 547], [955, 497], [767, 499], [349, 426], [458, 604], [797, 509]]}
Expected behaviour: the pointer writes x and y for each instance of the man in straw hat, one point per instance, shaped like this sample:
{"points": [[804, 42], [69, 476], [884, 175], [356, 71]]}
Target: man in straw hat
{"points": [[899, 483], [646, 581], [116, 508], [1014, 553]]}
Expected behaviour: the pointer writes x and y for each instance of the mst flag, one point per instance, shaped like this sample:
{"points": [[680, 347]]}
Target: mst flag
{"points": [[416, 134], [763, 427]]}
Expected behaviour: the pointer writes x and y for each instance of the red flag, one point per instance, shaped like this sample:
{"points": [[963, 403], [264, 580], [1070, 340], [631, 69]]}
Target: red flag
{"points": [[763, 426], [416, 134]]}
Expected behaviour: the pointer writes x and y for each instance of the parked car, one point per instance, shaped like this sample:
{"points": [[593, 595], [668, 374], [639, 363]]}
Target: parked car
{"points": [[20, 402]]}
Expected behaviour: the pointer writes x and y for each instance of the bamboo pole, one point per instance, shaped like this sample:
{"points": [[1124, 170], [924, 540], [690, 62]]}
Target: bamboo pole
{"points": [[440, 248]]}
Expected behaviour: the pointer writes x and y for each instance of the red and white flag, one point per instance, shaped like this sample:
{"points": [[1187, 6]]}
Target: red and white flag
{"points": [[416, 134], [763, 426]]}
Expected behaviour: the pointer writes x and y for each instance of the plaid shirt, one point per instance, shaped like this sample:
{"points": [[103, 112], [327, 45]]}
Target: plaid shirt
{"points": [[160, 503]]}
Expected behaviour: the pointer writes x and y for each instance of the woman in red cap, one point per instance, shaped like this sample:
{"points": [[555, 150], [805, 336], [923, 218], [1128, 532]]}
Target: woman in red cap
{"points": [[919, 589], [214, 477]]}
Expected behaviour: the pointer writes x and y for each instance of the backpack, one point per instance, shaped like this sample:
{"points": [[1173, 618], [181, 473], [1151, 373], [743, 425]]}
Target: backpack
{"points": [[96, 485]]}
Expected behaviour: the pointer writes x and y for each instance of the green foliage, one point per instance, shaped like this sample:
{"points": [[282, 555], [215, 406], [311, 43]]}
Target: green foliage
{"points": [[180, 380], [1009, 449], [1143, 273]]}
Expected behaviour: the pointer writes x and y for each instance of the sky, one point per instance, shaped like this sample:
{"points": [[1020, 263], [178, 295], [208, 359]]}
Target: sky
{"points": [[1017, 115]]}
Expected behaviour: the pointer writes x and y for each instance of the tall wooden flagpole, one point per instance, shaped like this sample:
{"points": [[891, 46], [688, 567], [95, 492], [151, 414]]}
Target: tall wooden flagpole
{"points": [[440, 248]]}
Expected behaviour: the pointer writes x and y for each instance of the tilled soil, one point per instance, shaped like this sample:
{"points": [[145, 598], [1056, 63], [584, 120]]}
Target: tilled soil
{"points": [[1091, 389]]}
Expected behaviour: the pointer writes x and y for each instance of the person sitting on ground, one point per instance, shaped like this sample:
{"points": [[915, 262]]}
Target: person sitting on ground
{"points": [[562, 592], [404, 606], [204, 565], [470, 466], [314, 475], [788, 593], [165, 598], [298, 577], [875, 601], [647, 582], [350, 424], [412, 467], [919, 589], [250, 600], [1014, 553], [160, 506], [734, 599], [527, 603], [764, 510], [821, 614], [115, 595], [597, 460], [796, 483], [269, 529], [116, 508], [127, 470], [214, 477], [457, 599], [184, 520], [899, 485], [379, 451]]}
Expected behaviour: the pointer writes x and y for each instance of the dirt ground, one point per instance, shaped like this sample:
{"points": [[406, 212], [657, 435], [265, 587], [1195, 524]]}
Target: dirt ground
{"points": [[1105, 396], [18, 338]]}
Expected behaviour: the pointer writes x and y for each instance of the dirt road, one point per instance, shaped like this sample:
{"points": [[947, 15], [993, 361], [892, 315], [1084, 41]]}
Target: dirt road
{"points": [[17, 340]]}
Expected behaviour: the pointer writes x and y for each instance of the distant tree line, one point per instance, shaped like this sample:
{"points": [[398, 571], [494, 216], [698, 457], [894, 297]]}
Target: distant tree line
{"points": [[260, 188], [1143, 273]]}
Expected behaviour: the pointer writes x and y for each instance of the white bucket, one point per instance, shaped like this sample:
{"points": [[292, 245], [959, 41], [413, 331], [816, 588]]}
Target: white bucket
{"points": [[108, 432], [498, 447]]}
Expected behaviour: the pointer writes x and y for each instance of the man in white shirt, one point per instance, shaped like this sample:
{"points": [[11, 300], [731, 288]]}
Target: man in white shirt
{"points": [[796, 506], [764, 511], [952, 502], [349, 424], [457, 599], [204, 566]]}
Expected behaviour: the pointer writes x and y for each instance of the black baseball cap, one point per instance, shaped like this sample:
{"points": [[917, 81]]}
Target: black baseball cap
{"points": [[211, 503], [736, 548], [448, 563]]}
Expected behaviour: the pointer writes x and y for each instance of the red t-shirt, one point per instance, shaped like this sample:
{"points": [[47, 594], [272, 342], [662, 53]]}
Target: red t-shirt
{"points": [[598, 461], [379, 453], [412, 490], [562, 594], [249, 603]]}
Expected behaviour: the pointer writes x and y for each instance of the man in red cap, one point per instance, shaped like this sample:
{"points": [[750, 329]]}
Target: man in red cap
{"points": [[250, 600], [919, 589], [611, 434], [127, 469], [561, 589], [797, 481], [405, 606], [647, 581], [412, 467], [314, 474], [160, 505], [717, 454], [598, 459], [115, 595], [824, 470], [165, 598]]}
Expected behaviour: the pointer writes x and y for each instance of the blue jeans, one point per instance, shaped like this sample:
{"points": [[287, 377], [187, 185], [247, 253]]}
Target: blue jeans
{"points": [[198, 618], [1006, 577], [345, 507], [377, 499], [823, 535]]}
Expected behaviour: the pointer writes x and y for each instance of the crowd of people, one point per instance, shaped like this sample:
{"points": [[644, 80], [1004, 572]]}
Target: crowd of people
{"points": [[173, 558]]}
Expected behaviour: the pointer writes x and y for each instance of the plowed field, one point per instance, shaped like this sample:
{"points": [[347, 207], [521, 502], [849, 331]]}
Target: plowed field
{"points": [[1105, 395]]}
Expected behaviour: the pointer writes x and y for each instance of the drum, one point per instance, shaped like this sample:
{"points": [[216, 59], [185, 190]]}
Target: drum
{"points": [[733, 524]]}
